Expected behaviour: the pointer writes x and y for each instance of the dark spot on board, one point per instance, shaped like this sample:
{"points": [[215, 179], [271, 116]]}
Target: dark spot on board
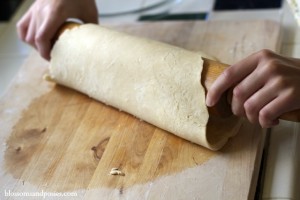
{"points": [[99, 149], [20, 148]]}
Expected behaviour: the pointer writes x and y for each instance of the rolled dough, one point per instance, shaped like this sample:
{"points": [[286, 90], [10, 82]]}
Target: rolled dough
{"points": [[156, 82]]}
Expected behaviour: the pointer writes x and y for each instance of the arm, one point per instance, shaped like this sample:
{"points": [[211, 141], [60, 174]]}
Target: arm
{"points": [[265, 85], [39, 25]]}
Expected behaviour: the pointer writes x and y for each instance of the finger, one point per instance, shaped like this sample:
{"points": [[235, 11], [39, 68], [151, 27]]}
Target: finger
{"points": [[30, 36], [230, 77], [22, 26], [269, 114], [45, 35], [243, 90], [257, 101]]}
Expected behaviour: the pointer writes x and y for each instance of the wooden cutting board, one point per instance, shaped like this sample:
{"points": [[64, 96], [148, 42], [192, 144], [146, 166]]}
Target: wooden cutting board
{"points": [[58, 140]]}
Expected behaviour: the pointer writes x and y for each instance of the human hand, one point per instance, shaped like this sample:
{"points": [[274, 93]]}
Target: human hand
{"points": [[41, 22], [265, 85]]}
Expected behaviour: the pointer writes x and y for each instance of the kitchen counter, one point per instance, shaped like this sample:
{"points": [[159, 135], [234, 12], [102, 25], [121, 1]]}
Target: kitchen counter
{"points": [[282, 166]]}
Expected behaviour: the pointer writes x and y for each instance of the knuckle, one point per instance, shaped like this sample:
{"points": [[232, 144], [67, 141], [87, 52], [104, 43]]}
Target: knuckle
{"points": [[265, 53], [50, 10], [271, 64], [265, 116], [227, 74], [19, 25], [280, 82], [275, 66], [30, 40], [271, 67], [238, 93], [292, 93], [251, 111], [249, 107]]}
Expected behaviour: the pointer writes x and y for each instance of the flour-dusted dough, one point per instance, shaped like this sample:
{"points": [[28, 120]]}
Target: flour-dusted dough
{"points": [[153, 81]]}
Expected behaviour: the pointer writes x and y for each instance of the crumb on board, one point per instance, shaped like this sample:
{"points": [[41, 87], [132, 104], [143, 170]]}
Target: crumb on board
{"points": [[47, 77], [115, 171]]}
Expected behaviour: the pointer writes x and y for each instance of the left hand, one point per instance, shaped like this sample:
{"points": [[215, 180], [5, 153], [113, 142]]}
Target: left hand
{"points": [[265, 85], [41, 22]]}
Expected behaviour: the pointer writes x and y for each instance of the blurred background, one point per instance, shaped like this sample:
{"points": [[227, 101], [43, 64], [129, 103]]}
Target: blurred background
{"points": [[161, 8]]}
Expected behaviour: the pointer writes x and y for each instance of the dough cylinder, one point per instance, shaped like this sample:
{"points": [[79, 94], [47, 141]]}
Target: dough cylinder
{"points": [[156, 82]]}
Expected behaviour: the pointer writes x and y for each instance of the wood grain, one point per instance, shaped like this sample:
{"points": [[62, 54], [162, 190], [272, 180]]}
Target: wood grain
{"points": [[59, 140]]}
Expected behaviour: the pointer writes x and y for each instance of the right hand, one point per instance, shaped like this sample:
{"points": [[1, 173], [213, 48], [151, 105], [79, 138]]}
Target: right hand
{"points": [[41, 22], [265, 86]]}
